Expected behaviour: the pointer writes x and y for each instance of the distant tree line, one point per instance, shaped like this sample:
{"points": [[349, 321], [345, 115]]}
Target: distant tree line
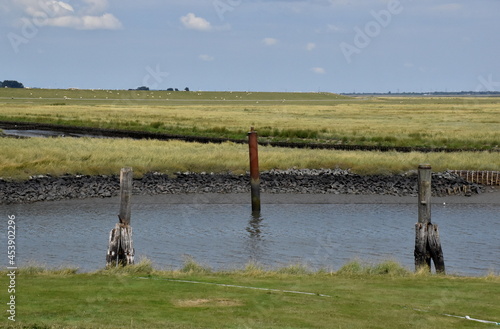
{"points": [[141, 88], [433, 93], [11, 84], [169, 89]]}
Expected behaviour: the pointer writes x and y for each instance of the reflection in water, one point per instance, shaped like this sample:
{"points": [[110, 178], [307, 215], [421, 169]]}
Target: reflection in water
{"points": [[254, 229], [254, 226]]}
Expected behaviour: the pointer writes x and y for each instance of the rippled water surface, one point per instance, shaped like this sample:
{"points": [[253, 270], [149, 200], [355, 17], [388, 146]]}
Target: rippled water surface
{"points": [[227, 236]]}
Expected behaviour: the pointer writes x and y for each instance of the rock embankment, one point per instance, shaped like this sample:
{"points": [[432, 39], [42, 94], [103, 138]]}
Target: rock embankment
{"points": [[331, 181]]}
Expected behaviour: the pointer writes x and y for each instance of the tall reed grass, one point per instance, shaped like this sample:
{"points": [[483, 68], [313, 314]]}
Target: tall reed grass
{"points": [[22, 158]]}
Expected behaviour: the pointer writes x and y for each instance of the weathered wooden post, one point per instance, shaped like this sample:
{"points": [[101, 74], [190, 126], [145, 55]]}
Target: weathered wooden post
{"points": [[126, 176], [254, 170], [120, 249], [427, 243]]}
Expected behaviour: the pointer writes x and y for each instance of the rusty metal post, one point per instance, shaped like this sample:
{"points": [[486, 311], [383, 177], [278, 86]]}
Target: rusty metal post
{"points": [[254, 170]]}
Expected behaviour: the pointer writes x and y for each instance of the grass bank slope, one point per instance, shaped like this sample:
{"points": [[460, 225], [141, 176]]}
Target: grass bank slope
{"points": [[356, 296]]}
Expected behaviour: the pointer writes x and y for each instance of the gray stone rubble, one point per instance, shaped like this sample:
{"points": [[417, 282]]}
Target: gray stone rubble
{"points": [[307, 181]]}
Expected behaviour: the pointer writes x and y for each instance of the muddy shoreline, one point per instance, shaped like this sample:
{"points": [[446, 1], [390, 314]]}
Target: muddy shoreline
{"points": [[329, 185]]}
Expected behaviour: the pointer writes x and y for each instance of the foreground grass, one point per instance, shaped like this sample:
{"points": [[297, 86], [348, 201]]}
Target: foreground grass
{"points": [[22, 158], [357, 296], [309, 117]]}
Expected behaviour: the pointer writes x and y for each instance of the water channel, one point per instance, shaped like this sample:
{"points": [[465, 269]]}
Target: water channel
{"points": [[225, 236], [42, 133]]}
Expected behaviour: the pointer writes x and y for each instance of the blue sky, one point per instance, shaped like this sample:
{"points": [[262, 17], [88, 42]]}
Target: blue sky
{"points": [[289, 45]]}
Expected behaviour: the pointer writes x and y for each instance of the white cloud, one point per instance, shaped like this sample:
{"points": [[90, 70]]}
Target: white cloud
{"points": [[103, 22], [318, 70], [339, 2], [47, 8], [191, 21], [65, 5], [206, 58], [310, 46], [4, 8], [358, 3], [88, 15], [270, 41], [333, 28], [95, 6], [330, 28], [447, 8]]}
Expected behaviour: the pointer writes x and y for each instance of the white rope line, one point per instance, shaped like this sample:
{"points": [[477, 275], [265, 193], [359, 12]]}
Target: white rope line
{"points": [[304, 293], [242, 287], [462, 317], [472, 319]]}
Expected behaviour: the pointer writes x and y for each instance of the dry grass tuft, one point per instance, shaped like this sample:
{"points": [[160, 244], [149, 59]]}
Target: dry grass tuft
{"points": [[208, 302], [143, 267]]}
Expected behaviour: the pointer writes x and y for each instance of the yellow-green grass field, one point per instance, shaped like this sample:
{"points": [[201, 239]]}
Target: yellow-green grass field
{"points": [[22, 158], [357, 295], [449, 122], [301, 117]]}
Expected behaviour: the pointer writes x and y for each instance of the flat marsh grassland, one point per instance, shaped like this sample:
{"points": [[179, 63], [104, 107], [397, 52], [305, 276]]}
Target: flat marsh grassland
{"points": [[299, 117], [356, 296], [314, 117]]}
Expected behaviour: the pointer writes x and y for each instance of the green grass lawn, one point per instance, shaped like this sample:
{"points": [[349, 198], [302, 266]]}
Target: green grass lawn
{"points": [[356, 296]]}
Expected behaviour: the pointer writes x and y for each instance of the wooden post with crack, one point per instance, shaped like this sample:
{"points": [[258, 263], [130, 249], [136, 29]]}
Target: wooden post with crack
{"points": [[120, 250], [427, 243]]}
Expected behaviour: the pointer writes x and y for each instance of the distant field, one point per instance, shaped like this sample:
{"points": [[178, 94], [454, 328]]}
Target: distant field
{"points": [[99, 95], [306, 117]]}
